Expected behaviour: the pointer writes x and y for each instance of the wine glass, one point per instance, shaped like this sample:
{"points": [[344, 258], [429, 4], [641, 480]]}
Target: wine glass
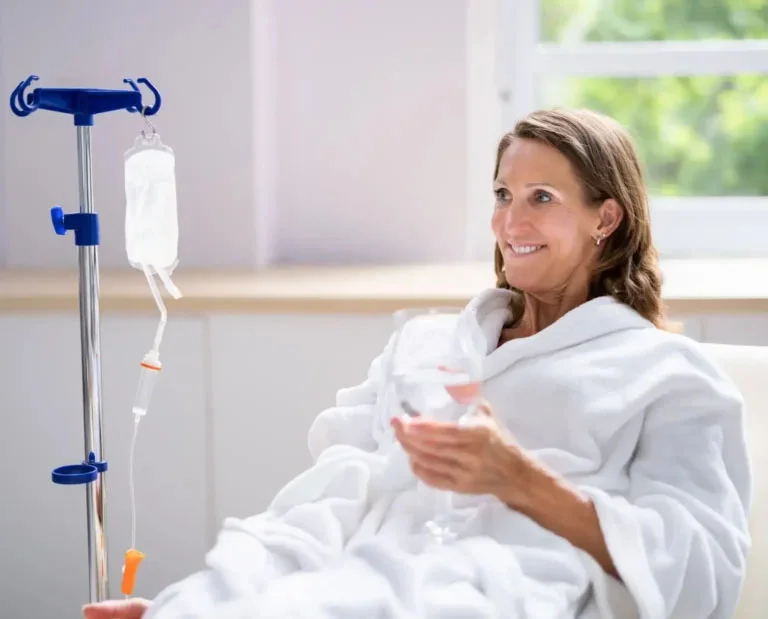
{"points": [[435, 371]]}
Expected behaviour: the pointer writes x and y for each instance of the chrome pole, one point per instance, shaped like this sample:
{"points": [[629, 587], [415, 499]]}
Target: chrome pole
{"points": [[90, 345], [83, 104]]}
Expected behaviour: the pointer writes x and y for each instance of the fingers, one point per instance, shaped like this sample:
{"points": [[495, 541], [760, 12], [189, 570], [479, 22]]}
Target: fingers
{"points": [[116, 609], [429, 430], [461, 457], [430, 433], [440, 459], [435, 480], [438, 470], [448, 464]]}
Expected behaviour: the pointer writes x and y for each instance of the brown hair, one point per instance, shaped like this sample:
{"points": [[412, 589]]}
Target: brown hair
{"points": [[603, 156]]}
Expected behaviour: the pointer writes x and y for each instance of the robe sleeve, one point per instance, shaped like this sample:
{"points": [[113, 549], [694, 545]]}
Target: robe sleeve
{"points": [[679, 537]]}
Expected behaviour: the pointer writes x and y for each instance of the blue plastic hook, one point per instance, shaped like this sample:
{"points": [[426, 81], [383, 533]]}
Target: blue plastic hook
{"points": [[83, 473], [83, 103], [19, 106], [148, 110]]}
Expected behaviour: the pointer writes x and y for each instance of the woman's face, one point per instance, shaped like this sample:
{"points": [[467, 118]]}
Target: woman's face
{"points": [[544, 228]]}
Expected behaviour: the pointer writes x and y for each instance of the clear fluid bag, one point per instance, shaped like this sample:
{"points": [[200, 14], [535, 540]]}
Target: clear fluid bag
{"points": [[151, 219]]}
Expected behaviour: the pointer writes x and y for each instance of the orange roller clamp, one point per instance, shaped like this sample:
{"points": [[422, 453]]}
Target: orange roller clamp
{"points": [[132, 560]]}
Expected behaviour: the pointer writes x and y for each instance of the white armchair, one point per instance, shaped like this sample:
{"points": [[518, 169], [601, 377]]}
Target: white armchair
{"points": [[747, 366]]}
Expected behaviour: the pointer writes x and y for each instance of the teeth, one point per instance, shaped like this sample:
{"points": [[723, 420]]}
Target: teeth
{"points": [[524, 249]]}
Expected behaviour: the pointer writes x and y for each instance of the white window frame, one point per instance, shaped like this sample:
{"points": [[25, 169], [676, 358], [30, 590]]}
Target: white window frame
{"points": [[695, 227]]}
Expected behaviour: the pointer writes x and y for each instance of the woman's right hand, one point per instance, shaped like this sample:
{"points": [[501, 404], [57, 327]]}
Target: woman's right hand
{"points": [[116, 609]]}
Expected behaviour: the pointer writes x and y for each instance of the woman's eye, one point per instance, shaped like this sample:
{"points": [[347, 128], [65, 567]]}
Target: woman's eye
{"points": [[542, 197], [501, 195]]}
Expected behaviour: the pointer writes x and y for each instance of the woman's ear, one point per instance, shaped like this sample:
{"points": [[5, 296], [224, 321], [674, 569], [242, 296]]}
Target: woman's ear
{"points": [[610, 216]]}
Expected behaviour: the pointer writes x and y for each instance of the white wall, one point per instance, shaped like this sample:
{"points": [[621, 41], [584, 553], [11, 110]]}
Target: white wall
{"points": [[371, 103], [339, 115]]}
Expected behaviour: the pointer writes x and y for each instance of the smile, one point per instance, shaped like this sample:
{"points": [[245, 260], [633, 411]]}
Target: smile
{"points": [[524, 250]]}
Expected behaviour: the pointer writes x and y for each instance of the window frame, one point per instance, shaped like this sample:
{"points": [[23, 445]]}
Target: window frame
{"points": [[685, 227]]}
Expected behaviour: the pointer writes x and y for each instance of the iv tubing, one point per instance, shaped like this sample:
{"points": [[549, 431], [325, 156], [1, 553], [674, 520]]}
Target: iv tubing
{"points": [[132, 478], [153, 356], [161, 306]]}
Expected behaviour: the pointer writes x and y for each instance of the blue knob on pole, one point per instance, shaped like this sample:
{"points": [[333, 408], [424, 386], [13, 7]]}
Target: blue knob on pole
{"points": [[57, 217], [85, 225]]}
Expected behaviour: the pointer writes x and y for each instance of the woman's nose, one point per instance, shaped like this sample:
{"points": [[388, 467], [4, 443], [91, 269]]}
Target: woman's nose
{"points": [[514, 214]]}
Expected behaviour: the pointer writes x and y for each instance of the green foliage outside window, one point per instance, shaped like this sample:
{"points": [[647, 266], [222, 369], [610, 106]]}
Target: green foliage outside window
{"points": [[698, 135]]}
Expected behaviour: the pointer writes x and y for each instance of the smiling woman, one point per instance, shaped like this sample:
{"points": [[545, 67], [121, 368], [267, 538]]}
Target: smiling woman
{"points": [[571, 218]]}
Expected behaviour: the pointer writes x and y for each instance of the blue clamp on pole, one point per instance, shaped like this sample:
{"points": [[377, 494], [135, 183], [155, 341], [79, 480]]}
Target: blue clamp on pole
{"points": [[85, 225], [82, 103], [84, 473]]}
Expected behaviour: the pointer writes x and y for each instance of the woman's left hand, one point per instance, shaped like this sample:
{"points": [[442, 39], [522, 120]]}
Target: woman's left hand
{"points": [[480, 458], [483, 458]]}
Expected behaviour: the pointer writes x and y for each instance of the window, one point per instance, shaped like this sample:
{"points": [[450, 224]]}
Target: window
{"points": [[688, 78]]}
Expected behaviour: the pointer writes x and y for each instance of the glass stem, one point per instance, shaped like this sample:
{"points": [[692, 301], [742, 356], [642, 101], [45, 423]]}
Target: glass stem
{"points": [[443, 504]]}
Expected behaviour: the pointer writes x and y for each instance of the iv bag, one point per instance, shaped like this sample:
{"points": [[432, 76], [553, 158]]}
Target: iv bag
{"points": [[151, 223]]}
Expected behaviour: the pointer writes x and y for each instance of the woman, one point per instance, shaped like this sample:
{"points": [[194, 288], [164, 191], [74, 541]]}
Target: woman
{"points": [[609, 444]]}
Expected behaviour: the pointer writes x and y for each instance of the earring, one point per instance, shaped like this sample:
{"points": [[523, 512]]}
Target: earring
{"points": [[599, 239]]}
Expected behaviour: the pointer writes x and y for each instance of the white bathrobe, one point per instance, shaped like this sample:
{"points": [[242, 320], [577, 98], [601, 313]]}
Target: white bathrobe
{"points": [[637, 418]]}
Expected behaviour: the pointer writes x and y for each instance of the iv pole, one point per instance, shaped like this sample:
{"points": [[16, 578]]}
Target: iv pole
{"points": [[83, 104]]}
